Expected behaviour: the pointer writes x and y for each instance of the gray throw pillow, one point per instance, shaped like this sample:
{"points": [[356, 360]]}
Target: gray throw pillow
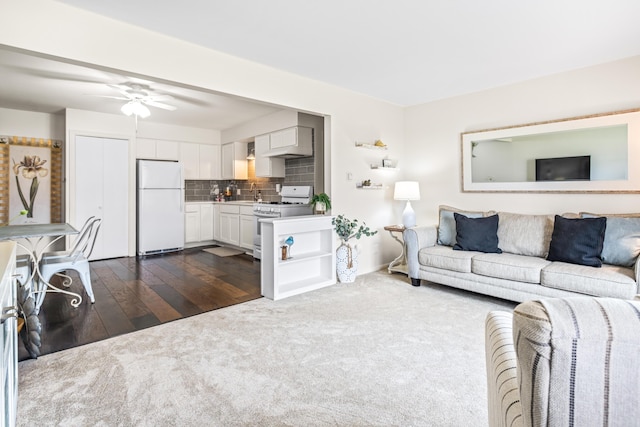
{"points": [[621, 240], [525, 234], [447, 224]]}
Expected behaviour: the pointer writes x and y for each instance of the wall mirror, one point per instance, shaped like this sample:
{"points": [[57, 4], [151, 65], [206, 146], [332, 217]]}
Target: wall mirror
{"points": [[598, 153]]}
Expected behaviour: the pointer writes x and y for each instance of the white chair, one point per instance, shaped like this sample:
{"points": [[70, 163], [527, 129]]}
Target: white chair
{"points": [[77, 242], [76, 259]]}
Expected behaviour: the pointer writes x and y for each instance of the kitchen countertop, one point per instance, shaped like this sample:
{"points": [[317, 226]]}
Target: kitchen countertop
{"points": [[232, 202]]}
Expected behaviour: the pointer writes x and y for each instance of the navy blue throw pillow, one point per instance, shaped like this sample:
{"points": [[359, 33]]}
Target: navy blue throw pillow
{"points": [[578, 240], [477, 234]]}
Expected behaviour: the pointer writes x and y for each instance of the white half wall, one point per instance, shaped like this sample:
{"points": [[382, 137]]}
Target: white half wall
{"points": [[432, 137]]}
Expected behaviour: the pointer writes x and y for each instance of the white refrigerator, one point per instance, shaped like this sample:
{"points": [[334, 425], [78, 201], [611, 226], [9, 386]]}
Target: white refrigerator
{"points": [[160, 201]]}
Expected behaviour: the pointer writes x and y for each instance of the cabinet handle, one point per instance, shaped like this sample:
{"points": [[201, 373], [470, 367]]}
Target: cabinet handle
{"points": [[8, 313]]}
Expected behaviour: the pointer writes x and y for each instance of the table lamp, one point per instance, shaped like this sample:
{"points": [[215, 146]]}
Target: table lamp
{"points": [[407, 190]]}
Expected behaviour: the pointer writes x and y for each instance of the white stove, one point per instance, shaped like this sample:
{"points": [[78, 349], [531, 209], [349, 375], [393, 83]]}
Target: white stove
{"points": [[295, 202]]}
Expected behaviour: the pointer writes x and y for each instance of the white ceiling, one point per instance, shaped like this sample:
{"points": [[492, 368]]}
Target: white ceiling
{"points": [[49, 86], [404, 51]]}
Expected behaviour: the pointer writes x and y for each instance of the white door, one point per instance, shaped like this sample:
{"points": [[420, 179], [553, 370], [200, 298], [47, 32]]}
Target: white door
{"points": [[101, 178]]}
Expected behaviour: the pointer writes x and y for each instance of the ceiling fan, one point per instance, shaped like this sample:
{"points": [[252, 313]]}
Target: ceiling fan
{"points": [[138, 96]]}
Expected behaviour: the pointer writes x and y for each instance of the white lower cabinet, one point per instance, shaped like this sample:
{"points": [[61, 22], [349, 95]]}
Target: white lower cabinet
{"points": [[246, 227], [8, 335], [230, 224], [312, 261], [206, 221], [216, 222], [191, 223], [198, 222]]}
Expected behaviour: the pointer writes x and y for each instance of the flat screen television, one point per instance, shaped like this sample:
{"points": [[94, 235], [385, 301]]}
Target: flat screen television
{"points": [[576, 168]]}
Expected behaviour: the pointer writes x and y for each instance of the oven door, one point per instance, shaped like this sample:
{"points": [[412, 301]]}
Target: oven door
{"points": [[257, 231]]}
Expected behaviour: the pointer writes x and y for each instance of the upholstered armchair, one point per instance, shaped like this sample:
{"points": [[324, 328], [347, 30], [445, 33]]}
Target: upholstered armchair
{"points": [[564, 362]]}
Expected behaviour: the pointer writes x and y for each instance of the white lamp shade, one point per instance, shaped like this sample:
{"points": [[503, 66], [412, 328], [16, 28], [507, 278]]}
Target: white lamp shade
{"points": [[406, 190], [137, 108]]}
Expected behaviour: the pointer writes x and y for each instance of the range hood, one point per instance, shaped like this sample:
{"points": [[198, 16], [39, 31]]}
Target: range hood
{"points": [[286, 153], [290, 143]]}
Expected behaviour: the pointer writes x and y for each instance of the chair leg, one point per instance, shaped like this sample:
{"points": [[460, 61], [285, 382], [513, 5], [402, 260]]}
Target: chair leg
{"points": [[85, 277]]}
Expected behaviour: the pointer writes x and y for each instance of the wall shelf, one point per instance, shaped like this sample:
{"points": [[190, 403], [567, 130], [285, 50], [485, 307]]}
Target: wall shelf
{"points": [[370, 187], [370, 146], [383, 167]]}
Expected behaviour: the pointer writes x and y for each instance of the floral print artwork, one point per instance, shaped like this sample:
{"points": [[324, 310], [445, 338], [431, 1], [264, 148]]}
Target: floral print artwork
{"points": [[31, 170]]}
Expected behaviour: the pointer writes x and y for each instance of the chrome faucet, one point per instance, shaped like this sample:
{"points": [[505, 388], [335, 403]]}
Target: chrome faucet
{"points": [[253, 190]]}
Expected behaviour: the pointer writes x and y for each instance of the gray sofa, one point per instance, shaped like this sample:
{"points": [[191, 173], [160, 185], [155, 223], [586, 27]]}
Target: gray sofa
{"points": [[522, 271]]}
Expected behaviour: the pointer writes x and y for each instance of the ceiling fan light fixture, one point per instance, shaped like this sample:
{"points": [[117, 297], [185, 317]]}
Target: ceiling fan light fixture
{"points": [[136, 108]]}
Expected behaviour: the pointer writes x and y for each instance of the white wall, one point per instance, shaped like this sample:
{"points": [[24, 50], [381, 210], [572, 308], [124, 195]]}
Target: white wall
{"points": [[31, 124], [432, 137], [271, 122], [170, 132], [88, 38]]}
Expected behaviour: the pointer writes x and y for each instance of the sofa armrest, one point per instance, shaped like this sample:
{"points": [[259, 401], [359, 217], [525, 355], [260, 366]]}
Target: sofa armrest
{"points": [[636, 270], [503, 395], [416, 238]]}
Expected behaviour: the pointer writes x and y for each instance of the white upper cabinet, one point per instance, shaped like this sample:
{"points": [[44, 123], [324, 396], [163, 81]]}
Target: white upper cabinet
{"points": [[270, 167], [209, 162], [200, 161], [189, 153], [157, 149], [296, 140], [167, 150], [234, 160]]}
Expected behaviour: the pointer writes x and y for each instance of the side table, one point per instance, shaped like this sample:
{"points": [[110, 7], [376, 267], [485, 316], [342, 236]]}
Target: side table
{"points": [[398, 265]]}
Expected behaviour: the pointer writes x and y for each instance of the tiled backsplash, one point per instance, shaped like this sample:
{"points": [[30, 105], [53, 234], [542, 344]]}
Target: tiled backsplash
{"points": [[297, 172]]}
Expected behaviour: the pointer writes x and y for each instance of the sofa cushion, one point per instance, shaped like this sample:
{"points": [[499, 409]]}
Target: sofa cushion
{"points": [[509, 266], [447, 224], [476, 234], [608, 281], [525, 234], [446, 258], [621, 239], [577, 241]]}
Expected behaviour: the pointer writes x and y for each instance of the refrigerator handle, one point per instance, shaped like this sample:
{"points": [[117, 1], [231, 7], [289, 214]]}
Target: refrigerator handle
{"points": [[182, 200]]}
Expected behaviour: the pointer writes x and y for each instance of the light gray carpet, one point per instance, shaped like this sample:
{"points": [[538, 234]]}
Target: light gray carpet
{"points": [[222, 251], [377, 352]]}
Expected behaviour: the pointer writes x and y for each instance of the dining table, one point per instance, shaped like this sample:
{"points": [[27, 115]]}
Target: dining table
{"points": [[36, 240]]}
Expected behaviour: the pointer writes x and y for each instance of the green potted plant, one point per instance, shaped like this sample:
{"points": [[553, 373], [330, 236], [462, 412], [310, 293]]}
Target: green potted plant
{"points": [[346, 255], [321, 203]]}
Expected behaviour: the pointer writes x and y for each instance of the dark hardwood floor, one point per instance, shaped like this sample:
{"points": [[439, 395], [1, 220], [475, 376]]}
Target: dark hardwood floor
{"points": [[137, 293]]}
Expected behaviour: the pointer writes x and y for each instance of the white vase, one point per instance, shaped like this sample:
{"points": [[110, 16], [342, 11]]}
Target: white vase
{"points": [[321, 208], [347, 262]]}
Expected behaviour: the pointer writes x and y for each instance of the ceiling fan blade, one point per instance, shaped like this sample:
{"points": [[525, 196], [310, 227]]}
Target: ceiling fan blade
{"points": [[123, 89], [160, 105], [154, 98], [112, 97]]}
